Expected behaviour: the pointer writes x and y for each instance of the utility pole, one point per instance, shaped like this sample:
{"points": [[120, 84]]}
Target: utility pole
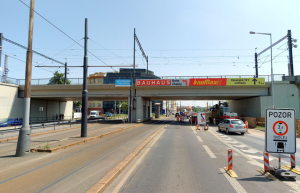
{"points": [[119, 108], [130, 100], [134, 57], [147, 64], [84, 91], [1, 37], [290, 45], [115, 107], [66, 71], [256, 66], [5, 71], [24, 140]]}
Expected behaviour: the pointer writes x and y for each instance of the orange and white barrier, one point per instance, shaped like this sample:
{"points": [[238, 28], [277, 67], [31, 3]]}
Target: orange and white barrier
{"points": [[246, 125], [215, 121], [266, 162], [293, 165], [229, 159]]}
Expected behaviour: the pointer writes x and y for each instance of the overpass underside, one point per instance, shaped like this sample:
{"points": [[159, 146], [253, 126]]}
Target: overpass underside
{"points": [[144, 95]]}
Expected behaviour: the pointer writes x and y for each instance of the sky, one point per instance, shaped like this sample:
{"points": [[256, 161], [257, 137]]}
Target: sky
{"points": [[181, 38]]}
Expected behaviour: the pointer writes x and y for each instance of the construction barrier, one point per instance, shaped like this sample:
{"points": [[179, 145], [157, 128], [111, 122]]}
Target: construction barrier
{"points": [[293, 165], [229, 159], [266, 162], [246, 125], [215, 121]]}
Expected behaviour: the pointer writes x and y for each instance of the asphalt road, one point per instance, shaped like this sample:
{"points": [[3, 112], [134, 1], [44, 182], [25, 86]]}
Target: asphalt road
{"points": [[74, 169], [184, 160]]}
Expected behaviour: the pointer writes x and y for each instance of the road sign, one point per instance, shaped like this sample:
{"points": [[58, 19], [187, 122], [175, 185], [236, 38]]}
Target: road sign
{"points": [[280, 134], [122, 83], [245, 81], [201, 120]]}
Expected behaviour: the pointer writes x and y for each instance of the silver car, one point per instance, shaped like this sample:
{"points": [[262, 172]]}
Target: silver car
{"points": [[232, 125]]}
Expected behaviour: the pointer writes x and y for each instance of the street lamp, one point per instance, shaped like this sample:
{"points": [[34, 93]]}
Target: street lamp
{"points": [[272, 78]]}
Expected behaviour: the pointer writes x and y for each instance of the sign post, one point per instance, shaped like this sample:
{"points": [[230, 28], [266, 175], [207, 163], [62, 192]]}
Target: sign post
{"points": [[201, 119], [280, 135]]}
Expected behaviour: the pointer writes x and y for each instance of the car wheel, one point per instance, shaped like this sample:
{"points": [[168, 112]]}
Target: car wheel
{"points": [[227, 131], [242, 133], [219, 128]]}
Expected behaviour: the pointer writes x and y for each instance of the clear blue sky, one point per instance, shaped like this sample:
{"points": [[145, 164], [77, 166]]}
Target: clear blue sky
{"points": [[181, 38]]}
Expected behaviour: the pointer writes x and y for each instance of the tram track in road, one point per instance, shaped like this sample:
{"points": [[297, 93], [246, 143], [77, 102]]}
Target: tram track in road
{"points": [[84, 152], [42, 139]]}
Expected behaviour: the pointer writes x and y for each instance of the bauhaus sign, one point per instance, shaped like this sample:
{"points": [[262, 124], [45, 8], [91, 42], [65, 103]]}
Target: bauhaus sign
{"points": [[162, 82], [202, 82], [280, 135]]}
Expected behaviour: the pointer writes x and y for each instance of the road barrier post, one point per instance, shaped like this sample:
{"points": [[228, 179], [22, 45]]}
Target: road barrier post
{"points": [[229, 159], [266, 162], [246, 125], [214, 121], [293, 165]]}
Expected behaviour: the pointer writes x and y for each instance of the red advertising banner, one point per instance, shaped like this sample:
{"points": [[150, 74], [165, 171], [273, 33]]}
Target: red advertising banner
{"points": [[153, 82], [208, 82]]}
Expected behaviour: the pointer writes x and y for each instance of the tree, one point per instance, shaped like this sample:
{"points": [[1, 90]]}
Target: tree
{"points": [[77, 104], [58, 78], [124, 106]]}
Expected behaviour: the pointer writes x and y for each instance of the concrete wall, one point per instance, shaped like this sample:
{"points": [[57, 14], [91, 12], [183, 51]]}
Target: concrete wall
{"points": [[286, 95], [247, 107], [10, 104]]}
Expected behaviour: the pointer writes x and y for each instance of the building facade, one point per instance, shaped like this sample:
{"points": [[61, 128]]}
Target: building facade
{"points": [[96, 78]]}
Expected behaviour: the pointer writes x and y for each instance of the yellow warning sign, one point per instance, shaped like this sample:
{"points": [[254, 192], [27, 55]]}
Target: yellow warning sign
{"points": [[245, 81]]}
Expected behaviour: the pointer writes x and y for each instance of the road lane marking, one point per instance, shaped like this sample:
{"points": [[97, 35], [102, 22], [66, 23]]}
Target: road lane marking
{"points": [[119, 186], [199, 138], [255, 162], [234, 183], [195, 132], [210, 153], [249, 150]]}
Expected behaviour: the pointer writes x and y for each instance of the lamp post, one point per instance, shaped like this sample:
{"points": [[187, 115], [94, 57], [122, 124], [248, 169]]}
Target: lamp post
{"points": [[272, 77]]}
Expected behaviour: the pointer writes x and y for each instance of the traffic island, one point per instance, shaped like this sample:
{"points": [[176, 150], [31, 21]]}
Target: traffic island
{"points": [[77, 140]]}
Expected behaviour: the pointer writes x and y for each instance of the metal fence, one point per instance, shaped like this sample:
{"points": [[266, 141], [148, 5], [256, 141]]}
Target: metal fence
{"points": [[79, 81]]}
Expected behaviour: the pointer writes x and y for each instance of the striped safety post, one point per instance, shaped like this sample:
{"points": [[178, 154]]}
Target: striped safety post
{"points": [[215, 121], [293, 161], [229, 159], [266, 162]]}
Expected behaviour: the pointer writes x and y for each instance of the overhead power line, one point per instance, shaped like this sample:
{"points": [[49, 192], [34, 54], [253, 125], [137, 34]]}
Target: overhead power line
{"points": [[10, 41], [63, 32]]}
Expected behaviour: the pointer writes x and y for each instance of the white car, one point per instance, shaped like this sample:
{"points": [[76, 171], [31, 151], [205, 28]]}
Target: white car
{"points": [[232, 125]]}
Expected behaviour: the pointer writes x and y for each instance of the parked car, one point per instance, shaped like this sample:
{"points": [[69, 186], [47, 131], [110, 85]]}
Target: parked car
{"points": [[11, 122], [109, 114], [193, 119], [232, 125]]}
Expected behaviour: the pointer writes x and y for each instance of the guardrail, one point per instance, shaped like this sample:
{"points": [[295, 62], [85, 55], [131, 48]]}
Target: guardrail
{"points": [[79, 81]]}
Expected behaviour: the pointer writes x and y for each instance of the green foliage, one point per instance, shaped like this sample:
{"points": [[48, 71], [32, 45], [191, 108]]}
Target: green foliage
{"points": [[58, 78], [124, 105]]}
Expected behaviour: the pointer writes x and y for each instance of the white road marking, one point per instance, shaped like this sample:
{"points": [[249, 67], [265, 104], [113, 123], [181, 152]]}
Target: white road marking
{"points": [[234, 183], [254, 162], [195, 132], [117, 189], [199, 138], [240, 146], [210, 153], [249, 150]]}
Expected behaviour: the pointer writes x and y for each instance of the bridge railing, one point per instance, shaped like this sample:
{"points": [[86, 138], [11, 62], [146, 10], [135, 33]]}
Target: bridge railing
{"points": [[79, 81]]}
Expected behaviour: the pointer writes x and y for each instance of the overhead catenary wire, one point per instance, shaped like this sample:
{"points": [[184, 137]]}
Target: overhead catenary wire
{"points": [[63, 32]]}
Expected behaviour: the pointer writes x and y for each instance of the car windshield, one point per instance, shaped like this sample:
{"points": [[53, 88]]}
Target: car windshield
{"points": [[237, 122], [93, 113]]}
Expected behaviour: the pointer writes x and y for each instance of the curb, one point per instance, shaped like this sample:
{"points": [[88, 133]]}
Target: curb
{"points": [[111, 175], [82, 141]]}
